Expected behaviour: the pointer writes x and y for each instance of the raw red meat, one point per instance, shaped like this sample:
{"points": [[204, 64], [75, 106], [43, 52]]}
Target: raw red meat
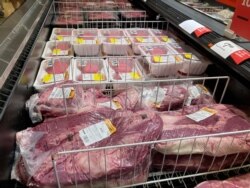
{"points": [[128, 99], [101, 16], [53, 107], [62, 134], [58, 67], [197, 163], [62, 46], [122, 65], [112, 32], [158, 51], [64, 32], [89, 67], [227, 119], [242, 181]]}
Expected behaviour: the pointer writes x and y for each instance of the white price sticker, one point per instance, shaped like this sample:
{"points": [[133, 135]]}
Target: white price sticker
{"points": [[202, 114], [194, 92], [87, 76], [190, 26], [96, 132], [225, 48], [57, 93], [60, 52], [109, 104]]}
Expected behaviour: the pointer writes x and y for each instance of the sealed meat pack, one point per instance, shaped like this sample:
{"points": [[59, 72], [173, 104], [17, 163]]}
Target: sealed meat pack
{"points": [[86, 42], [74, 132], [140, 36], [124, 69], [55, 49], [115, 42], [90, 70], [53, 71], [162, 59], [61, 34]]}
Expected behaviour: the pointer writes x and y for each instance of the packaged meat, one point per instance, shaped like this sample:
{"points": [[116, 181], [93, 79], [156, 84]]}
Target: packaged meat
{"points": [[53, 71], [115, 42], [133, 14], [204, 120], [107, 5], [101, 15], [140, 36], [162, 59], [124, 69], [55, 49], [124, 5], [86, 42], [61, 34], [163, 36], [197, 162], [241, 181], [73, 132], [65, 19], [90, 70]]}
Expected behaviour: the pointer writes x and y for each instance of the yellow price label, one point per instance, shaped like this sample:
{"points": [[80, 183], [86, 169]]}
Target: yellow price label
{"points": [[110, 126], [56, 51], [135, 75], [72, 93], [98, 77], [165, 38], [80, 41], [178, 59], [158, 59], [188, 55], [117, 104], [59, 37], [47, 78], [113, 40], [211, 111], [140, 39]]}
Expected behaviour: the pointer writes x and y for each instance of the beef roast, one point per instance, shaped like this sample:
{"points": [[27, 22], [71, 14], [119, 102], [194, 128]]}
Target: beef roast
{"points": [[242, 181], [39, 143], [196, 162], [226, 119]]}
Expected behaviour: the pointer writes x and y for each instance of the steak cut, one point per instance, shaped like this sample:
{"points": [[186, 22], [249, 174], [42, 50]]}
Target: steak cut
{"points": [[226, 119], [38, 144], [242, 181]]}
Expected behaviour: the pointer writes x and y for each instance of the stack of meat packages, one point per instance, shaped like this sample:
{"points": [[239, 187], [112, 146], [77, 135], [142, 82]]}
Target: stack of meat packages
{"points": [[77, 118]]}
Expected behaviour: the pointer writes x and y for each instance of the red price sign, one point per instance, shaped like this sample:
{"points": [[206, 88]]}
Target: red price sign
{"points": [[240, 56], [241, 20], [201, 31]]}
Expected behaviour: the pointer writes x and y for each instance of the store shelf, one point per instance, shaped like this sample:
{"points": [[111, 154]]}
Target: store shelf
{"points": [[176, 13]]}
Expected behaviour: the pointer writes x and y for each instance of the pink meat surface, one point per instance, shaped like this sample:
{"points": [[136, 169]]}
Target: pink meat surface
{"points": [[158, 51], [53, 107], [62, 134], [139, 33], [197, 163], [89, 67], [226, 119], [64, 32], [122, 65], [62, 46], [58, 67], [113, 33], [242, 181]]}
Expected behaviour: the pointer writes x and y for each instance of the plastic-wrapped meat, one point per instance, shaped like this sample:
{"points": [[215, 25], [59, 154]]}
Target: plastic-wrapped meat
{"points": [[121, 65], [164, 98], [89, 67], [199, 163], [64, 133], [127, 99], [57, 66], [112, 33], [101, 16], [69, 19], [64, 32], [219, 119], [51, 102], [242, 181], [133, 14]]}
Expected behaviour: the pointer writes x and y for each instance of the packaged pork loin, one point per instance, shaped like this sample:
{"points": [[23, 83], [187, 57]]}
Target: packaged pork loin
{"points": [[55, 49], [86, 42], [94, 128], [90, 70], [115, 42], [199, 120], [140, 36], [53, 71]]}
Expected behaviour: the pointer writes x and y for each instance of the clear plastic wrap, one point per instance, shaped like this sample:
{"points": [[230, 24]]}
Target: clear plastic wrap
{"points": [[222, 119], [234, 182], [38, 144]]}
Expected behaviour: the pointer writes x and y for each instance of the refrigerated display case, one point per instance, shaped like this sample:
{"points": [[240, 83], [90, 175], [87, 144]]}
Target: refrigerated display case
{"points": [[45, 133]]}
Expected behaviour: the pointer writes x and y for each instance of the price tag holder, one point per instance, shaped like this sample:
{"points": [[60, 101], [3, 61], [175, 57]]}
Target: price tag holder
{"points": [[192, 26], [228, 49]]}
